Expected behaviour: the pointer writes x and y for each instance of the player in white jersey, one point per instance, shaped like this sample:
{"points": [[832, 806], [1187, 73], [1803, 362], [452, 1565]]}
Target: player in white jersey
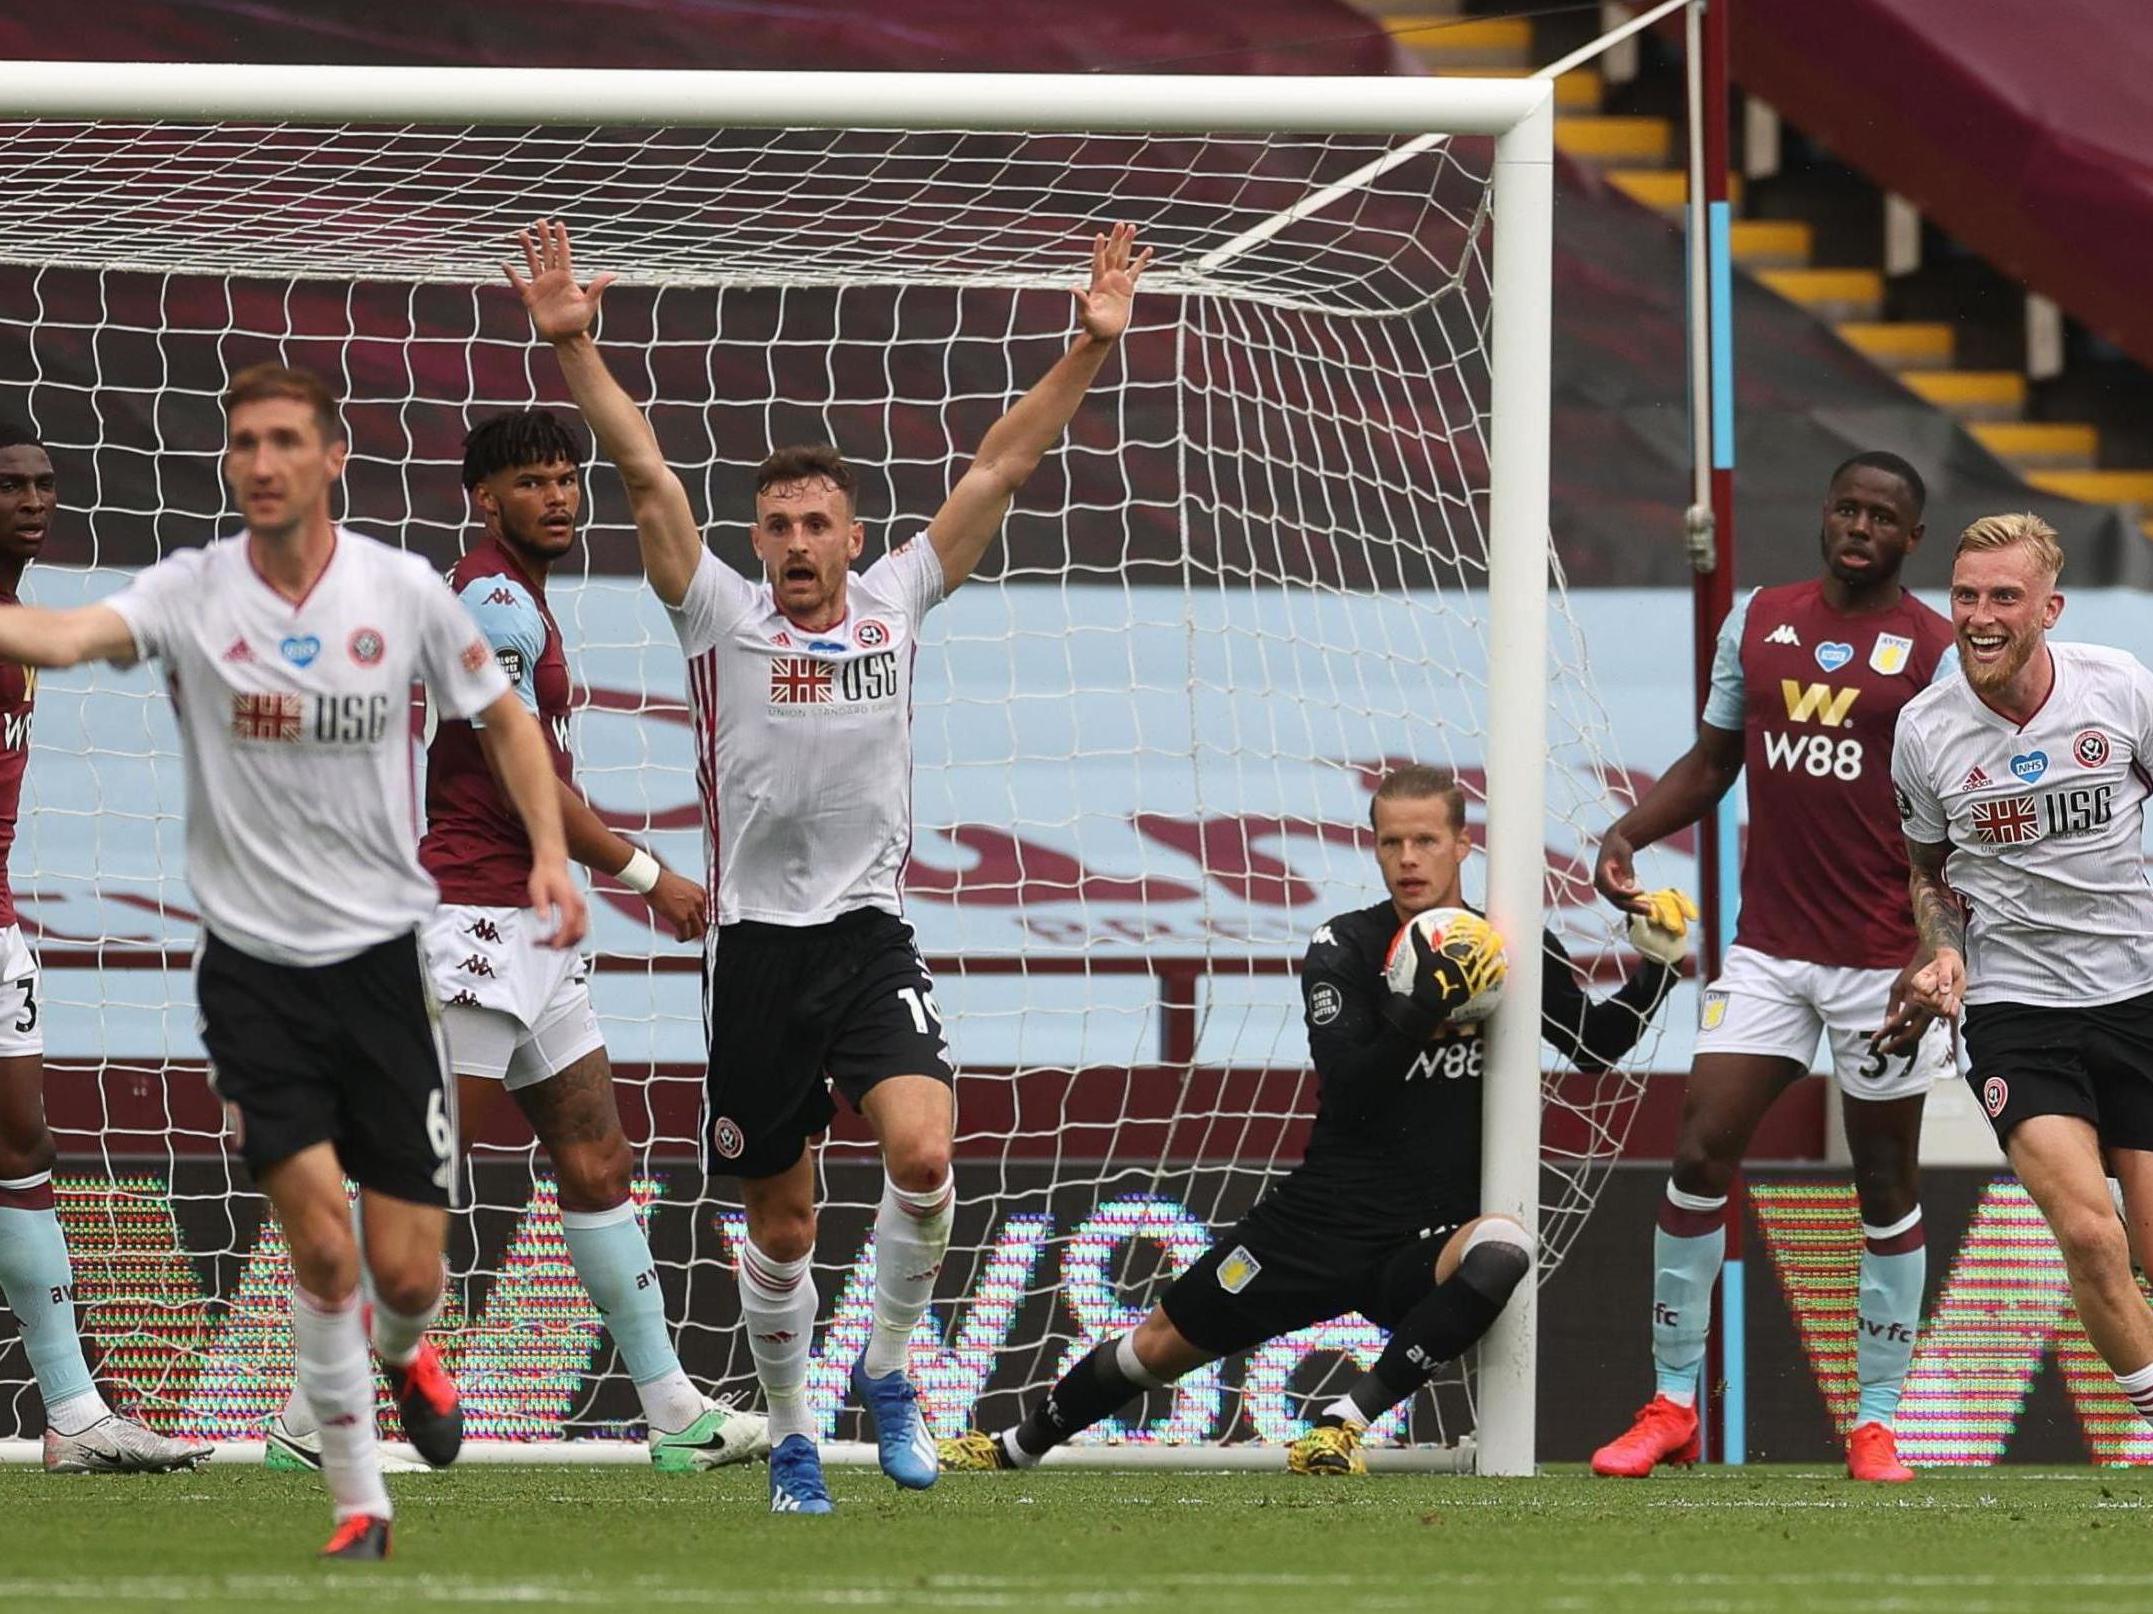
{"points": [[2022, 789], [801, 686], [291, 650]]}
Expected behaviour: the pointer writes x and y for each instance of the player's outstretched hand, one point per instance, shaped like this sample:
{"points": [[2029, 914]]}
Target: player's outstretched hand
{"points": [[679, 904], [1615, 875], [1103, 307], [1660, 929], [559, 308], [1939, 987], [556, 901]]}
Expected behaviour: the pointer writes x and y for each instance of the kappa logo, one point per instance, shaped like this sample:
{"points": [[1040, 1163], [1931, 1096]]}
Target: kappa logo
{"points": [[367, 647], [1995, 1094], [2090, 749], [465, 998], [1976, 778], [502, 596], [477, 964], [485, 930], [871, 634], [727, 1138], [1325, 1004], [1784, 634], [1323, 937]]}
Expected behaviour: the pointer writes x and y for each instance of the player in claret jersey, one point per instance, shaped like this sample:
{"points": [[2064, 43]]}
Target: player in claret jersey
{"points": [[1808, 680], [2023, 789], [1382, 1216], [518, 1012], [800, 685], [296, 643], [82, 1434]]}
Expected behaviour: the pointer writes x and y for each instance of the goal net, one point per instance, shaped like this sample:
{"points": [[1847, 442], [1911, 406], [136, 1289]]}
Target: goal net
{"points": [[1254, 576]]}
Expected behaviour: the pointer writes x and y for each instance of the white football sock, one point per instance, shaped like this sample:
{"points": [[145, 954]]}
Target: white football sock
{"points": [[911, 1234], [397, 1336], [297, 1416], [338, 1379], [777, 1302]]}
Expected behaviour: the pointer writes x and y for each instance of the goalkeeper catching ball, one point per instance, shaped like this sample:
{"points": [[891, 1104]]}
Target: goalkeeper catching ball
{"points": [[1382, 1215]]}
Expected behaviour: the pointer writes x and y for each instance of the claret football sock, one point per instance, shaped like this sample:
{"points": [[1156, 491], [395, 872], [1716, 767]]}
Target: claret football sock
{"points": [[777, 1302], [612, 1261], [911, 1234], [39, 1284], [2139, 1387], [1687, 1250], [1106, 1380], [1894, 1266]]}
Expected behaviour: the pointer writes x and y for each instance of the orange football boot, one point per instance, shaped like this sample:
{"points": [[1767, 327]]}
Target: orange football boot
{"points": [[1665, 1432], [1872, 1453]]}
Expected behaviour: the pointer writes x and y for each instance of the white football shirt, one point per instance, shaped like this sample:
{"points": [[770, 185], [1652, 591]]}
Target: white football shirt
{"points": [[804, 740], [295, 722], [2044, 823]]}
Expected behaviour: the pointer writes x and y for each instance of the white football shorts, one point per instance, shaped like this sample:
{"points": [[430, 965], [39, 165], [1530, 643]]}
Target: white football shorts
{"points": [[22, 1010], [514, 1008], [1777, 1006]]}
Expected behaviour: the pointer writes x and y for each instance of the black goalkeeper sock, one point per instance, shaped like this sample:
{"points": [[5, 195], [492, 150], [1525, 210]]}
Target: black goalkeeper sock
{"points": [[1441, 1327], [1104, 1382]]}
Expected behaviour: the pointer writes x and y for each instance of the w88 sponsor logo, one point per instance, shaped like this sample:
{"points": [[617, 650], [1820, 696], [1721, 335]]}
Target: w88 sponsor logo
{"points": [[1818, 755]]}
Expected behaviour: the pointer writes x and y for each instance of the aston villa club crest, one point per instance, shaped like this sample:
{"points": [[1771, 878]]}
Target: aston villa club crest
{"points": [[1711, 1011], [1888, 655]]}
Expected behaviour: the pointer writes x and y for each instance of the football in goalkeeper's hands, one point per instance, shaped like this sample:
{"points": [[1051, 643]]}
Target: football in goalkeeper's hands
{"points": [[1466, 939]]}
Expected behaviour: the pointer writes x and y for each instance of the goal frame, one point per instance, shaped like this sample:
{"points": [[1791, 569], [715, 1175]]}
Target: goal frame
{"points": [[1518, 113]]}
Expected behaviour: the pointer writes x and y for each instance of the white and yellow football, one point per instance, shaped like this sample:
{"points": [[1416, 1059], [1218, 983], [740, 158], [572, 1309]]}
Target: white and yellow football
{"points": [[1460, 934]]}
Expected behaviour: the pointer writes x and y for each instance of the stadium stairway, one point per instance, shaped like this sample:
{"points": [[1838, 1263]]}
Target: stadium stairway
{"points": [[1843, 270]]}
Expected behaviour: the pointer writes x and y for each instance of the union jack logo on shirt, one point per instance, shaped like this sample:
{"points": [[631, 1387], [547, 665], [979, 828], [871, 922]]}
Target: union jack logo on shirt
{"points": [[2010, 821], [799, 681], [265, 717]]}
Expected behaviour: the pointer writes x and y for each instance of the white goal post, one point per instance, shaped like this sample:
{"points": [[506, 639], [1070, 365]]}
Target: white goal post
{"points": [[1516, 114]]}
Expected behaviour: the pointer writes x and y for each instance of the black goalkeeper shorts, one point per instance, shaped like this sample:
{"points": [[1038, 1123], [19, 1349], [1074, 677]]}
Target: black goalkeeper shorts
{"points": [[1268, 1276]]}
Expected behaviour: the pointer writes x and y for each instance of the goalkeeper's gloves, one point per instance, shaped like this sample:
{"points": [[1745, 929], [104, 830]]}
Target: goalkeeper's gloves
{"points": [[1662, 931], [1470, 962]]}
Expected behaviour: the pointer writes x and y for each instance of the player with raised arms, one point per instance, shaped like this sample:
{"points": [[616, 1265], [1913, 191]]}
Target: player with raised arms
{"points": [[1382, 1216], [82, 1434], [517, 1011], [800, 689], [296, 643], [2022, 788], [1807, 682]]}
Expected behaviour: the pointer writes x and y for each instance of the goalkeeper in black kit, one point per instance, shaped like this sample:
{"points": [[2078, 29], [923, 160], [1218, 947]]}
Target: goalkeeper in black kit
{"points": [[1382, 1216]]}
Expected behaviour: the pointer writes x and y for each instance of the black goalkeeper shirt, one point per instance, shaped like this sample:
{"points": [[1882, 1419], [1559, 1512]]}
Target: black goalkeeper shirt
{"points": [[1396, 1143]]}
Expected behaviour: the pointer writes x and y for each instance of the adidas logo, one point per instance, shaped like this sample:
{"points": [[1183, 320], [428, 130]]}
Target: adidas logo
{"points": [[1784, 634], [1974, 779], [238, 650]]}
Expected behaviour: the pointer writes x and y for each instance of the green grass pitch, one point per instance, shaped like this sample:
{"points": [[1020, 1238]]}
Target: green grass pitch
{"points": [[1740, 1542]]}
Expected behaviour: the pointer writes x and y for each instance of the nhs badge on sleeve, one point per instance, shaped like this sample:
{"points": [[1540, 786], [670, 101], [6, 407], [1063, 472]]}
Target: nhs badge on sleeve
{"points": [[1888, 655]]}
